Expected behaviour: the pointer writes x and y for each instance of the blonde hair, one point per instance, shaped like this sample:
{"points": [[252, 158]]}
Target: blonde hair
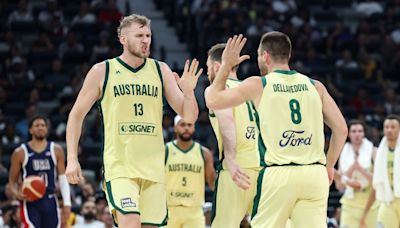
{"points": [[133, 18]]}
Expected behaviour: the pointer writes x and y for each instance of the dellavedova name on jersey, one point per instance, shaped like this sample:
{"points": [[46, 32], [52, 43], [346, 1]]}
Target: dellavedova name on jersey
{"points": [[135, 90], [295, 138], [290, 88], [182, 167], [137, 129]]}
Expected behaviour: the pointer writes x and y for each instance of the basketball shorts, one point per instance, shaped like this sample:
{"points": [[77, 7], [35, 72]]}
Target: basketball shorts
{"points": [[41, 213], [389, 214], [231, 203], [351, 217], [138, 196], [185, 217], [298, 193]]}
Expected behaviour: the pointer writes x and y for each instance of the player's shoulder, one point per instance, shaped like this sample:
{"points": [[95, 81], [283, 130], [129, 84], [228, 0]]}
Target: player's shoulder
{"points": [[18, 153]]}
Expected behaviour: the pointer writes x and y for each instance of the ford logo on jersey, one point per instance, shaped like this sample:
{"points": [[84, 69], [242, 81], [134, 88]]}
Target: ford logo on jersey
{"points": [[295, 138]]}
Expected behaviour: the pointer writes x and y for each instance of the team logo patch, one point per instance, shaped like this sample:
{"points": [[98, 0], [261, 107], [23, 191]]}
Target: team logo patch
{"points": [[127, 202]]}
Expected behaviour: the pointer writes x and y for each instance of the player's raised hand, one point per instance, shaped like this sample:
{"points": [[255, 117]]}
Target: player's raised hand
{"points": [[240, 178], [231, 55], [189, 78], [74, 172]]}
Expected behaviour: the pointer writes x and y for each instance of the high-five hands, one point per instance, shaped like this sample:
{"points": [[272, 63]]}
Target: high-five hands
{"points": [[231, 55], [187, 83]]}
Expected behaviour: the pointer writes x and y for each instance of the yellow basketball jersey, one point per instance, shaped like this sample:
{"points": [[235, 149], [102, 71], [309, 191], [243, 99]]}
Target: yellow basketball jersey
{"points": [[185, 179], [291, 122], [131, 108], [390, 166], [247, 154]]}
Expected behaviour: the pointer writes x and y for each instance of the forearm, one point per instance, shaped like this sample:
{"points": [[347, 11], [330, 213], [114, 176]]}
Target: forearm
{"points": [[73, 134], [335, 147], [371, 200], [190, 107], [366, 174], [65, 190]]}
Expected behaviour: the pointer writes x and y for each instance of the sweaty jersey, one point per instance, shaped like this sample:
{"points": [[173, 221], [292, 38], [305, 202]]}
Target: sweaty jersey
{"points": [[185, 179], [247, 155], [41, 163], [131, 108], [291, 121]]}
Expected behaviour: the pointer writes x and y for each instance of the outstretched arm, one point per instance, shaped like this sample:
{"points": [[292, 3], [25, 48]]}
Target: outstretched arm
{"points": [[179, 92], [218, 97], [335, 121], [89, 94]]}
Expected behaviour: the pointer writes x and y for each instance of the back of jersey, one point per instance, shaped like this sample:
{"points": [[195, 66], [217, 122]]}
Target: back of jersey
{"points": [[41, 163], [291, 120]]}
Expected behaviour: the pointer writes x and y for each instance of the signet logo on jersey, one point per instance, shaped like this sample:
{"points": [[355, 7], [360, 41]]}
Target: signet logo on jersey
{"points": [[295, 138], [137, 129], [127, 202]]}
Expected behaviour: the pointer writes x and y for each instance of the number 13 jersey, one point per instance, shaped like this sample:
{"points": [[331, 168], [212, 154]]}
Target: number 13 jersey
{"points": [[131, 108], [291, 121]]}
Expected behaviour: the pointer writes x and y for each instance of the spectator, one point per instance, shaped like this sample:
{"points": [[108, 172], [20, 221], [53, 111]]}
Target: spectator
{"points": [[18, 72], [88, 217], [22, 14], [109, 13], [70, 45], [346, 62], [361, 100], [368, 7], [42, 43], [22, 125], [10, 136], [84, 15], [50, 13], [106, 218], [392, 105], [102, 47], [284, 6]]}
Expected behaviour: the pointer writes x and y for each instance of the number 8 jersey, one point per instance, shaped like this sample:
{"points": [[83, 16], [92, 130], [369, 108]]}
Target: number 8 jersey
{"points": [[131, 108], [291, 121]]}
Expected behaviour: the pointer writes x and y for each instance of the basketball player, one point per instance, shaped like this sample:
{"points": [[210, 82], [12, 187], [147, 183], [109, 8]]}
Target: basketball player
{"points": [[129, 91], [355, 177], [292, 109], [386, 178], [45, 159], [239, 165], [188, 165]]}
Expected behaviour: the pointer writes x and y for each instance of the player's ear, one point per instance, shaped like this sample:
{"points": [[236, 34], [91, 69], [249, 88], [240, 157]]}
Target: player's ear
{"points": [[266, 57], [216, 66], [122, 39]]}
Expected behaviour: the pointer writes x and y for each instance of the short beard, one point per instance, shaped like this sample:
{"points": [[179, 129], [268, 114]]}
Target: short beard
{"points": [[185, 139], [39, 138], [137, 53]]}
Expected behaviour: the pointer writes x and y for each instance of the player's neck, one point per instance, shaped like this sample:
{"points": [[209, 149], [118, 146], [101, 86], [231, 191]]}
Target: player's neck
{"points": [[279, 66], [356, 147], [392, 144], [184, 145], [38, 145], [132, 60]]}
